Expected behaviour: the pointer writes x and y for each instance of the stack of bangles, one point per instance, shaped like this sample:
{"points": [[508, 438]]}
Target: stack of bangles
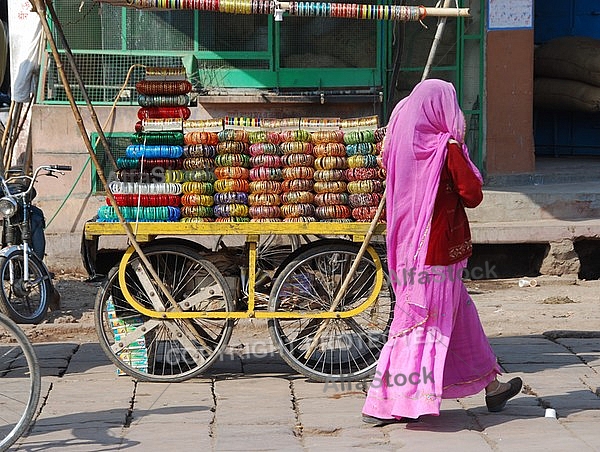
{"points": [[264, 199], [178, 100], [337, 186], [169, 137], [366, 214], [329, 175], [242, 160], [200, 150], [296, 135], [201, 188], [141, 188], [297, 185], [163, 87], [265, 173], [333, 212], [232, 172], [365, 186], [297, 160], [297, 197], [361, 149], [330, 163], [327, 136], [142, 214], [264, 149], [352, 174], [331, 199], [364, 199], [266, 160], [232, 147], [195, 199], [296, 147], [359, 136], [297, 210], [263, 136], [362, 161], [129, 199], [239, 135], [329, 150], [204, 212], [265, 186], [154, 151], [297, 172], [148, 164], [193, 163], [209, 138]]}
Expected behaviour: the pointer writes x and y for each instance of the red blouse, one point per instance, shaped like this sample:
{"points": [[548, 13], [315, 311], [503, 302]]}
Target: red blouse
{"points": [[450, 236]]}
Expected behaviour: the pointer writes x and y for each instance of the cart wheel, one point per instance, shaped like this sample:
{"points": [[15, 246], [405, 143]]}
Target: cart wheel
{"points": [[347, 348], [151, 349]]}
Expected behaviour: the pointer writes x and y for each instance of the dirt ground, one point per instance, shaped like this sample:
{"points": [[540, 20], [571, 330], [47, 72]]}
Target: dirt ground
{"points": [[563, 305]]}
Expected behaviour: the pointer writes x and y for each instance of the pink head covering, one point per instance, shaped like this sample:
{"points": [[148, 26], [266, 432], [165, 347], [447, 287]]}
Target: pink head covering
{"points": [[415, 150]]}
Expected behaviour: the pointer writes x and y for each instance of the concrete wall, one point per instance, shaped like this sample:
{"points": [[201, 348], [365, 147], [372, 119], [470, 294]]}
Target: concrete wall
{"points": [[509, 102]]}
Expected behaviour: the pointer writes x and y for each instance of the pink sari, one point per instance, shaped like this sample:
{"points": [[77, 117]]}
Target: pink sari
{"points": [[436, 347]]}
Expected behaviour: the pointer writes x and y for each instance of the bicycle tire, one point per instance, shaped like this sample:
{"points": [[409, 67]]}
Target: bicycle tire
{"points": [[18, 406], [24, 303], [165, 350], [348, 347]]}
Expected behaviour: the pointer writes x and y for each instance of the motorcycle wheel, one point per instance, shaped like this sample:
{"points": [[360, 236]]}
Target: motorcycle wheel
{"points": [[24, 301]]}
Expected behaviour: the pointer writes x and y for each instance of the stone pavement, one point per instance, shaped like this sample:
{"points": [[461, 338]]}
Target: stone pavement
{"points": [[252, 401]]}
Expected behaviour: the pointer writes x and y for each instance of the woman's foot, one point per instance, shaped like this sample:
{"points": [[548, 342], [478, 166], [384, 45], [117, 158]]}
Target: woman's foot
{"points": [[379, 422], [496, 398]]}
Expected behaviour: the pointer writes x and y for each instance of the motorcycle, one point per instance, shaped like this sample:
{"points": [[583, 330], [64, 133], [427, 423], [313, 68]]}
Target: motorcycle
{"points": [[27, 290]]}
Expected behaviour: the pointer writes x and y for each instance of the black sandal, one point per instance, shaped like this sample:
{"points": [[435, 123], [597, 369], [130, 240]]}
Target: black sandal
{"points": [[497, 402]]}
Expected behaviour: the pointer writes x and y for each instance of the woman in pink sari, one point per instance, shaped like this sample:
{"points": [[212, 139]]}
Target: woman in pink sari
{"points": [[436, 347]]}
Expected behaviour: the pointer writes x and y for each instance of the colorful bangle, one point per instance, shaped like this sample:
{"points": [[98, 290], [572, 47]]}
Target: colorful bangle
{"points": [[352, 174], [163, 112], [297, 210], [264, 199], [239, 135], [194, 199], [266, 160], [168, 137], [327, 136], [264, 148], [197, 211], [361, 149], [170, 88], [265, 186], [201, 188], [297, 135], [297, 185], [264, 212], [330, 150], [329, 163], [365, 186], [362, 161], [366, 213], [263, 136], [193, 163], [330, 199], [364, 199], [330, 187], [210, 138], [329, 175], [160, 100], [231, 172], [298, 172], [336, 211], [379, 134], [359, 136], [230, 210], [297, 197], [297, 160], [229, 185], [299, 219], [264, 173], [200, 150], [296, 147], [231, 198]]}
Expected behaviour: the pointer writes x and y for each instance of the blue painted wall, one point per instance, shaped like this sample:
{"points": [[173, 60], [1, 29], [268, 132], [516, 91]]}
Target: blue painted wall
{"points": [[566, 133]]}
